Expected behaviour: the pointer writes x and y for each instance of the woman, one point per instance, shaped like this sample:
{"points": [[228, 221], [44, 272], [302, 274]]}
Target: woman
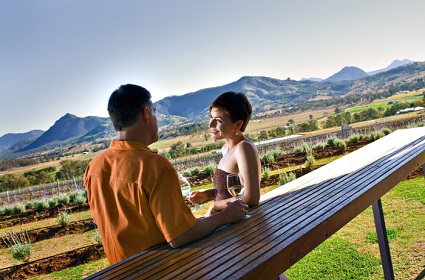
{"points": [[229, 115]]}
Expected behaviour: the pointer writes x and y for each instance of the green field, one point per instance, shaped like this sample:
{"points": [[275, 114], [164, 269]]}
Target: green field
{"points": [[383, 103]]}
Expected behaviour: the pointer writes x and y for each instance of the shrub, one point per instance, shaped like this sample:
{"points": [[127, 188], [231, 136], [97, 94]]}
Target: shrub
{"points": [[269, 158], [64, 218], [304, 148], [19, 246], [195, 171], [298, 149], [7, 210], [266, 173], [53, 202], [41, 205], [308, 148], [277, 153], [18, 208], [29, 205], [335, 142], [354, 138], [341, 143], [286, 178], [80, 199], [96, 237], [210, 169], [310, 162], [331, 142], [319, 146], [64, 199], [376, 135], [386, 131]]}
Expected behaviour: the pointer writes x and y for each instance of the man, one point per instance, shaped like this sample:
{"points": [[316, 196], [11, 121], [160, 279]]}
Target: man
{"points": [[134, 193]]}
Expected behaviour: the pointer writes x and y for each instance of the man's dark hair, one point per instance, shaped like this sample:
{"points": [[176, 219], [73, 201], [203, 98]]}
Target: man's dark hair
{"points": [[126, 103], [235, 105]]}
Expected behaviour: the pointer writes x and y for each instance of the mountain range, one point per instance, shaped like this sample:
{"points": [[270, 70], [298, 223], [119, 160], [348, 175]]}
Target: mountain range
{"points": [[264, 93]]}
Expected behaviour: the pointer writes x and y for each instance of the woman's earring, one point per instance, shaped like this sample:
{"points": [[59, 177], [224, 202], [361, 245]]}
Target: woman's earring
{"points": [[237, 133]]}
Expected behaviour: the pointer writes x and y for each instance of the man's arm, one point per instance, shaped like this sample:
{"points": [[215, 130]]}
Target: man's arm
{"points": [[233, 213]]}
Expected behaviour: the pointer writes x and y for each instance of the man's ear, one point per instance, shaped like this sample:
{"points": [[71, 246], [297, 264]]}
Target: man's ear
{"points": [[146, 114]]}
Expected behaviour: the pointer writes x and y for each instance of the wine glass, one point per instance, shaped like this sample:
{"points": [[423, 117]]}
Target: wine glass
{"points": [[235, 187], [185, 186]]}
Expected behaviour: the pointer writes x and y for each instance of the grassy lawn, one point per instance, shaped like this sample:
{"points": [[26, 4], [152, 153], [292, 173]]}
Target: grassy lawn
{"points": [[353, 252]]}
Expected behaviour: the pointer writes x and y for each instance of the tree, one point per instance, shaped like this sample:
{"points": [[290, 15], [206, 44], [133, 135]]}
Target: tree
{"points": [[71, 168], [177, 149], [290, 122], [11, 182], [38, 177], [202, 131], [263, 135]]}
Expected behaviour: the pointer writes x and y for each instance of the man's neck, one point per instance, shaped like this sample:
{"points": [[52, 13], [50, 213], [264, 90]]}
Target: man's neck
{"points": [[127, 135]]}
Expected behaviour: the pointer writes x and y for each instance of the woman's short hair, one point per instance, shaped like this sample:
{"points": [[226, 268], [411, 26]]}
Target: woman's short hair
{"points": [[126, 104], [236, 105]]}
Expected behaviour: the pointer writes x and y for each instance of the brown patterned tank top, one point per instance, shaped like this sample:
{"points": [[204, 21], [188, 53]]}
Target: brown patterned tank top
{"points": [[221, 185]]}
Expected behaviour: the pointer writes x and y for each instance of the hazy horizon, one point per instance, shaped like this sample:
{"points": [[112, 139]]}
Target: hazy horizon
{"points": [[67, 57]]}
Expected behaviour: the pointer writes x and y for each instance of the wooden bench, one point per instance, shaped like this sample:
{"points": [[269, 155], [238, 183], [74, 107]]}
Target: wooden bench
{"points": [[291, 220]]}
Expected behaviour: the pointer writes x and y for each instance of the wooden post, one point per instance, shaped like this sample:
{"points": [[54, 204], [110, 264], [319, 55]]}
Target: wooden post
{"points": [[384, 247], [75, 183]]}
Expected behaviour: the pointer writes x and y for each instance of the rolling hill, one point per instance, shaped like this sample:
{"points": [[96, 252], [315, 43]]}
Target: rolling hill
{"points": [[265, 94]]}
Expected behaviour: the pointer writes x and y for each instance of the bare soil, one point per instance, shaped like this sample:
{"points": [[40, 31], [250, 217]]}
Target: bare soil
{"points": [[53, 263], [56, 231], [33, 215]]}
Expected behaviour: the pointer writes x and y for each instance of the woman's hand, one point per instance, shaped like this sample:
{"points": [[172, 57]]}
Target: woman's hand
{"points": [[211, 210], [220, 205], [197, 197]]}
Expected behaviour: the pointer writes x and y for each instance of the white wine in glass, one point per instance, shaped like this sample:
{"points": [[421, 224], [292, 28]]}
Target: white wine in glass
{"points": [[234, 187]]}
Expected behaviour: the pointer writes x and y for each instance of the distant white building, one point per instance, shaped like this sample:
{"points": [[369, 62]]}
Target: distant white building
{"points": [[409, 110]]}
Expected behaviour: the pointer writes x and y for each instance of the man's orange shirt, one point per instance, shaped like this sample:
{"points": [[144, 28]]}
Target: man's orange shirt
{"points": [[135, 199]]}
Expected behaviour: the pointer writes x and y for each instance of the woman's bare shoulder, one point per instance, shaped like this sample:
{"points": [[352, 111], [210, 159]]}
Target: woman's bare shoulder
{"points": [[247, 145]]}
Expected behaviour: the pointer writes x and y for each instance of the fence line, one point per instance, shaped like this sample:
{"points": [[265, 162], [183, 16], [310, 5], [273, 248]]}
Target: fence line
{"points": [[288, 145], [41, 191], [182, 164]]}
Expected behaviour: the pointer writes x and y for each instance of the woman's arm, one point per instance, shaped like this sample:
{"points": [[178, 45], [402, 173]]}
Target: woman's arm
{"points": [[197, 197], [249, 165], [218, 206], [233, 213]]}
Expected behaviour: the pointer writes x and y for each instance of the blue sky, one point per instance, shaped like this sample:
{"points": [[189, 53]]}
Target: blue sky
{"points": [[61, 57]]}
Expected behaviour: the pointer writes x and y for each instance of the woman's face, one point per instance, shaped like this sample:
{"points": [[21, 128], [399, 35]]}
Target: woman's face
{"points": [[221, 125]]}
